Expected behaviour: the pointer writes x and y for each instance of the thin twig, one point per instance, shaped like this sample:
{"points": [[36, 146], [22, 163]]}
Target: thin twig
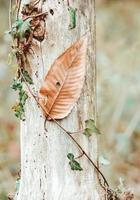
{"points": [[34, 16], [18, 8], [35, 3], [10, 15], [79, 131], [79, 156], [45, 121]]}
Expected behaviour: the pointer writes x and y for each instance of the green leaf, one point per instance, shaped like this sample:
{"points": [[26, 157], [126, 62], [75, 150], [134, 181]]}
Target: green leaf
{"points": [[19, 111], [103, 160], [24, 28], [70, 156], [19, 107], [88, 132], [27, 77], [22, 97], [20, 28], [15, 28], [90, 128], [73, 163], [16, 85], [72, 13]]}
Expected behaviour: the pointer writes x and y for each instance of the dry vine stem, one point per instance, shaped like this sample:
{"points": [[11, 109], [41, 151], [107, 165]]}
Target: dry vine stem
{"points": [[68, 133], [83, 153]]}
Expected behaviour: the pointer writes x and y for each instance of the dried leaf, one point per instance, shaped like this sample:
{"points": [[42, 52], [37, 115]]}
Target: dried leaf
{"points": [[64, 81]]}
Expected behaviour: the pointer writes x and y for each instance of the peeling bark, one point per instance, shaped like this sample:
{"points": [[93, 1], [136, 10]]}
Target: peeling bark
{"points": [[45, 173]]}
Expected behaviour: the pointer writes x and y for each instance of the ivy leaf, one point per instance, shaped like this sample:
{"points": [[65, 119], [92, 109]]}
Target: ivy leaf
{"points": [[72, 13], [27, 77], [73, 163], [19, 111], [88, 132], [16, 85], [15, 27], [22, 97], [20, 28], [90, 128], [70, 156], [24, 28], [19, 107], [103, 160]]}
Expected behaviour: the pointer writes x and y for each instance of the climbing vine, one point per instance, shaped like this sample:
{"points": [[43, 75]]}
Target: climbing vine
{"points": [[31, 25]]}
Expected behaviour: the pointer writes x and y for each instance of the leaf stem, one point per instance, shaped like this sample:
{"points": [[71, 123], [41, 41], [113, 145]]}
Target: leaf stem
{"points": [[45, 125], [79, 156], [79, 131]]}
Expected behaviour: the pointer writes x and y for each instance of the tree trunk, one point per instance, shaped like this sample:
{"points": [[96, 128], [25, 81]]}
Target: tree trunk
{"points": [[45, 172]]}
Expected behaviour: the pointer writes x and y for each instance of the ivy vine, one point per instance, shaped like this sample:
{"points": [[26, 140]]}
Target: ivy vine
{"points": [[22, 32]]}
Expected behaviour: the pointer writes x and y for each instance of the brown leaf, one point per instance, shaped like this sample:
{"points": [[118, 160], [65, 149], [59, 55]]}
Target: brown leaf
{"points": [[64, 81]]}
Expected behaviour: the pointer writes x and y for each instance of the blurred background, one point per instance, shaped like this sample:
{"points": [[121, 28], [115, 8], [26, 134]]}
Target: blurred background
{"points": [[118, 62]]}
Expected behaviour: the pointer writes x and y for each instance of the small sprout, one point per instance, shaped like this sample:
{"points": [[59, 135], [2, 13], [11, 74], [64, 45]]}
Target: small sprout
{"points": [[73, 163], [90, 128], [72, 13]]}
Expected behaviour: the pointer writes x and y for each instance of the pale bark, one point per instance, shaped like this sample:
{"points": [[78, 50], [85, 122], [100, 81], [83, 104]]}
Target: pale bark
{"points": [[45, 173]]}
